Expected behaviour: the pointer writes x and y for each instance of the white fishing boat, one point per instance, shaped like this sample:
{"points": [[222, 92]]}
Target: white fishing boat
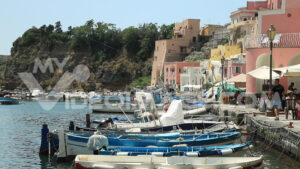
{"points": [[124, 102], [37, 93], [171, 120], [113, 104], [154, 162]]}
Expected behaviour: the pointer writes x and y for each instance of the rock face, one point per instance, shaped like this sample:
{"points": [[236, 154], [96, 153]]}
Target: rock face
{"points": [[114, 58], [112, 74]]}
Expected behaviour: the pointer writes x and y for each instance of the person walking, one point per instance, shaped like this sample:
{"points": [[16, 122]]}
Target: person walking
{"points": [[277, 90]]}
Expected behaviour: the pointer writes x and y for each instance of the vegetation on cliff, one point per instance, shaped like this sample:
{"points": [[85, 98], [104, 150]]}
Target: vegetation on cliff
{"points": [[114, 57]]}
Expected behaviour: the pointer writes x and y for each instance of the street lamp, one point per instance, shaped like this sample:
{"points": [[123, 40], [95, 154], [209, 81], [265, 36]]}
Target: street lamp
{"points": [[222, 62], [271, 35]]}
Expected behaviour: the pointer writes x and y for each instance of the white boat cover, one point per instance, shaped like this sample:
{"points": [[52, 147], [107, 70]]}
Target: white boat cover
{"points": [[96, 142], [174, 114], [263, 73]]}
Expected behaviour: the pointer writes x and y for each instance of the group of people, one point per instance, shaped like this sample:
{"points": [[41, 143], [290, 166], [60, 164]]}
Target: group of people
{"points": [[279, 102]]}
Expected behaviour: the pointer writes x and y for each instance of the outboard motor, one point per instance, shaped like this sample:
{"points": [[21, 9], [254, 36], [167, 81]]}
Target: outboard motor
{"points": [[106, 123]]}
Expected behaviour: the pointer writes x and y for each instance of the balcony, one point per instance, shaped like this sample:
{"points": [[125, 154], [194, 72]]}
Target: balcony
{"points": [[235, 25], [284, 40]]}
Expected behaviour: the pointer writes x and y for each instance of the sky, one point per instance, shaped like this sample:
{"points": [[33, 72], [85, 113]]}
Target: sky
{"points": [[16, 16]]}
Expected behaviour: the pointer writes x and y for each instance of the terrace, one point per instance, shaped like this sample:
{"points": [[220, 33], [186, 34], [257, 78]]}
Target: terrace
{"points": [[284, 40]]}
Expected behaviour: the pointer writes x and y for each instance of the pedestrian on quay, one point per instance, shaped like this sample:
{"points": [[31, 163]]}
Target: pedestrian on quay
{"points": [[277, 90]]}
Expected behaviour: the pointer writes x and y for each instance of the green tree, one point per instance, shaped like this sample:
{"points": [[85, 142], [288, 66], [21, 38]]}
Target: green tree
{"points": [[58, 27], [131, 40], [166, 31]]}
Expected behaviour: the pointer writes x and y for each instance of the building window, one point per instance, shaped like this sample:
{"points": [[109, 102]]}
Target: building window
{"points": [[194, 39], [185, 69], [238, 69], [167, 70], [179, 71]]}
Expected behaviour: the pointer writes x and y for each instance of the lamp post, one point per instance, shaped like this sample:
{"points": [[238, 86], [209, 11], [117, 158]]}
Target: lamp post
{"points": [[222, 62], [271, 35]]}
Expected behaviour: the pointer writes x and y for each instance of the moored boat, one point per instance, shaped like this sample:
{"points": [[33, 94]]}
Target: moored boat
{"points": [[176, 150], [8, 100], [73, 144], [175, 162]]}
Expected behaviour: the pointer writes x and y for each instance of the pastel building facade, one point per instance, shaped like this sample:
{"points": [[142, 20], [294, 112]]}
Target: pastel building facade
{"points": [[224, 50], [173, 70], [191, 79], [244, 22], [235, 66], [185, 35], [284, 15]]}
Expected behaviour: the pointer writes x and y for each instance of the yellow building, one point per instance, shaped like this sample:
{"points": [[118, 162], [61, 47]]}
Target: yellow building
{"points": [[226, 51]]}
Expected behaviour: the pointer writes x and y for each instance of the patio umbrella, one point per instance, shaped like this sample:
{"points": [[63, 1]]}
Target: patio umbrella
{"points": [[289, 71], [263, 73]]}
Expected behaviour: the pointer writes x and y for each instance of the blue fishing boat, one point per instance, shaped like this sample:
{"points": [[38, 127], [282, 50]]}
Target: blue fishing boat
{"points": [[169, 136], [8, 100], [71, 144], [176, 151], [159, 141]]}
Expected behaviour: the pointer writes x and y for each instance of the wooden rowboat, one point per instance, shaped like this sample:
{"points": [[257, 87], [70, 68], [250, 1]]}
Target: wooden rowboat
{"points": [[176, 162]]}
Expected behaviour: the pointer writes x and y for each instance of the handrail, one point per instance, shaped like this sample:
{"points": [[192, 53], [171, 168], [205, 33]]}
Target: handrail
{"points": [[284, 40]]}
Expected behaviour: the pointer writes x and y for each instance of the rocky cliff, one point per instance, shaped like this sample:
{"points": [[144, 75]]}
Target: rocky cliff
{"points": [[114, 57]]}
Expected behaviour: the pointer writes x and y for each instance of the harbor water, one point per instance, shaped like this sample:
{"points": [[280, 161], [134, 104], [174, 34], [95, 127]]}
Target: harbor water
{"points": [[20, 135]]}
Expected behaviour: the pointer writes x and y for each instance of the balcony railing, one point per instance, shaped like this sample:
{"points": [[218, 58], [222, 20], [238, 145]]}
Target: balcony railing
{"points": [[234, 25], [284, 40]]}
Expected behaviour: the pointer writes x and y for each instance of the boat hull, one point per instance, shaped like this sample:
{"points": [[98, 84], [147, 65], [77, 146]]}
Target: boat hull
{"points": [[114, 108], [118, 162], [77, 144], [8, 101]]}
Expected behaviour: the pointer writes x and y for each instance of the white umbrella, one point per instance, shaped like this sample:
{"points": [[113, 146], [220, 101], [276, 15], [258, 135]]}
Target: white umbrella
{"points": [[289, 71], [263, 73]]}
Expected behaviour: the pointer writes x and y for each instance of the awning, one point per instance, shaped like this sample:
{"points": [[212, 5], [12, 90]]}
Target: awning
{"points": [[238, 78], [263, 73], [289, 71]]}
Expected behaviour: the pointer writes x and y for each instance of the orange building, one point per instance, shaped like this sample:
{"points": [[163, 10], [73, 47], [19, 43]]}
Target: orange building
{"points": [[185, 35]]}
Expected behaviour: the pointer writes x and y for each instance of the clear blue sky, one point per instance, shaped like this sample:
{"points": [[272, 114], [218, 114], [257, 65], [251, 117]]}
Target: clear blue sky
{"points": [[16, 16]]}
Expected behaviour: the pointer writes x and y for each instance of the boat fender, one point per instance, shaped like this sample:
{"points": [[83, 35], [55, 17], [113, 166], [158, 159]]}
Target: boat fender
{"points": [[225, 151], [122, 154], [159, 154], [192, 154], [97, 142]]}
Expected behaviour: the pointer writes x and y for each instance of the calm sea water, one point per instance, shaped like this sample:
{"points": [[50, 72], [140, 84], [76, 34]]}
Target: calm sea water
{"points": [[20, 130]]}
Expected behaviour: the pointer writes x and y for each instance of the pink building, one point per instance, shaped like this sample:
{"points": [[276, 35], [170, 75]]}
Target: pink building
{"points": [[234, 67], [284, 15], [172, 71]]}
